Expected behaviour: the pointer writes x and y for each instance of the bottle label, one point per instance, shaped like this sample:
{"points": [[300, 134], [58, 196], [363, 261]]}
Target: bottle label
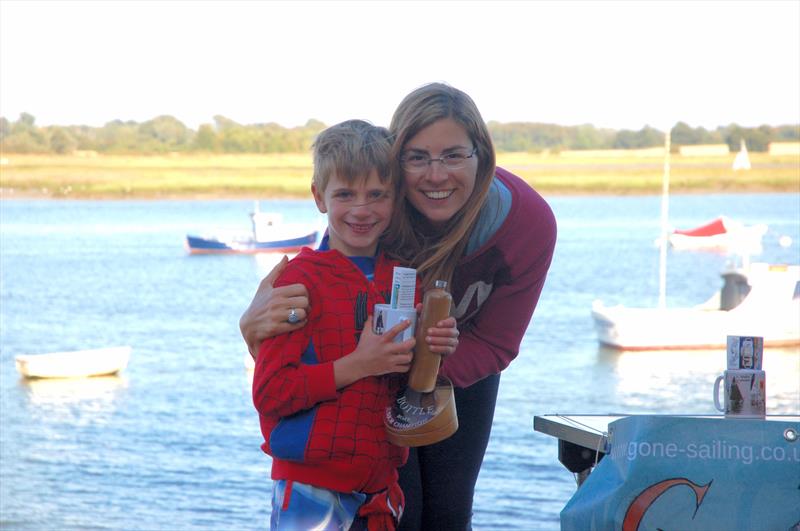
{"points": [[404, 283]]}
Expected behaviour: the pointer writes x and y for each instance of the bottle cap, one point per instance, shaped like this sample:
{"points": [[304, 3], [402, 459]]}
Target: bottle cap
{"points": [[440, 284]]}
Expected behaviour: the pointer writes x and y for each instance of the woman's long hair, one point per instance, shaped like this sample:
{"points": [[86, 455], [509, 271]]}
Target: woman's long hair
{"points": [[435, 251]]}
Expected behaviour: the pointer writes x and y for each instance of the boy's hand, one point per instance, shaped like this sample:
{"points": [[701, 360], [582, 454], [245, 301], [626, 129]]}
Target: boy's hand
{"points": [[375, 355]]}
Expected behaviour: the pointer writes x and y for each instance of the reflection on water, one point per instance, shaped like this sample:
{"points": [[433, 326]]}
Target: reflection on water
{"points": [[681, 381], [77, 399]]}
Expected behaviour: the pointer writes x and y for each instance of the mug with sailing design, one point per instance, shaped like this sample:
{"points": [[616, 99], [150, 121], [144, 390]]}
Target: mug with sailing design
{"points": [[744, 391], [745, 352]]}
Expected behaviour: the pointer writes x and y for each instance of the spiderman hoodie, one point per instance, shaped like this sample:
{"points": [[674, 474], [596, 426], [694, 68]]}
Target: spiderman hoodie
{"points": [[317, 434]]}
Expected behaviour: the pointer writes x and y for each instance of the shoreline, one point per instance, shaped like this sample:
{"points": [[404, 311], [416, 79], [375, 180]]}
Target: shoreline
{"points": [[288, 176], [7, 194]]}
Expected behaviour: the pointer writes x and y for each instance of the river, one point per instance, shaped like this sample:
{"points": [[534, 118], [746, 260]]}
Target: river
{"points": [[173, 443]]}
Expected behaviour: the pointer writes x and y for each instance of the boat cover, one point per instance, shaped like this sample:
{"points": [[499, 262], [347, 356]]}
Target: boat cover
{"points": [[692, 473], [709, 229]]}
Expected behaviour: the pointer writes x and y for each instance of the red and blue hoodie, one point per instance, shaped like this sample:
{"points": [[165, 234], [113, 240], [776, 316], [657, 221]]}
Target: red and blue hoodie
{"points": [[315, 433]]}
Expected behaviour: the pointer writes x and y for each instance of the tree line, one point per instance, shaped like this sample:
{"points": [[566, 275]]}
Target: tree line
{"points": [[165, 134]]}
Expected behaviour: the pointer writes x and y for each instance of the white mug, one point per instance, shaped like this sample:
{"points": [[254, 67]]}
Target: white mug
{"points": [[744, 391], [745, 352], [385, 318]]}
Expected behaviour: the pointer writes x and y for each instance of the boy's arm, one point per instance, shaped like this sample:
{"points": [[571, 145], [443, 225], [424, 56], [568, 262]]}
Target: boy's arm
{"points": [[282, 383]]}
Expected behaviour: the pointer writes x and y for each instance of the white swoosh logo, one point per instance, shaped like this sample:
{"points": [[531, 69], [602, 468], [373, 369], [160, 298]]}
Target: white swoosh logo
{"points": [[478, 289]]}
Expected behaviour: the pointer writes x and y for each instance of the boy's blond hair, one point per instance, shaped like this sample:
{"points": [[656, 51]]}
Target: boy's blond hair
{"points": [[351, 150]]}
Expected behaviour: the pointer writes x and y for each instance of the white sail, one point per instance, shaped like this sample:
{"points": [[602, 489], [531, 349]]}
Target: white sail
{"points": [[742, 161]]}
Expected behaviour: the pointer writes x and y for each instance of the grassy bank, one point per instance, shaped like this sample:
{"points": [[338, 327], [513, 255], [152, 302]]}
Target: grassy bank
{"points": [[288, 175]]}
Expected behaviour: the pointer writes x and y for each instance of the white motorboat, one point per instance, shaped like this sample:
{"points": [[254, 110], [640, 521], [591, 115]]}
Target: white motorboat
{"points": [[74, 364], [759, 300]]}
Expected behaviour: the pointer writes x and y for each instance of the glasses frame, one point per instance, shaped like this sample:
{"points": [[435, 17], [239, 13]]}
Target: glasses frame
{"points": [[440, 160]]}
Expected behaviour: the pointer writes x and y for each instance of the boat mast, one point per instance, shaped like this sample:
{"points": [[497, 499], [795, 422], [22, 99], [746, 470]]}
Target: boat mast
{"points": [[662, 263]]}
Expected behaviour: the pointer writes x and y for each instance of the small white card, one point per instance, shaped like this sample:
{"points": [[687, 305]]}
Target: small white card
{"points": [[404, 282]]}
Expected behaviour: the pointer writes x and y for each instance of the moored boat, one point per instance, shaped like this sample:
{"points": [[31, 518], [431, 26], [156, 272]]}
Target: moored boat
{"points": [[74, 364], [268, 234], [761, 300], [722, 234], [246, 245]]}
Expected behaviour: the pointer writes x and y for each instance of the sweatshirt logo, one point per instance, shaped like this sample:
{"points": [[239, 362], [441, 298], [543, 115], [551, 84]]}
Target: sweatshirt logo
{"points": [[361, 311], [479, 291]]}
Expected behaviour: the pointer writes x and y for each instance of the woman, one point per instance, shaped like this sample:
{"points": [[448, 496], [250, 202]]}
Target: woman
{"points": [[487, 232]]}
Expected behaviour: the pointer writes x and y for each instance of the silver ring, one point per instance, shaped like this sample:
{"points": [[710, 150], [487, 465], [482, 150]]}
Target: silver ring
{"points": [[293, 318]]}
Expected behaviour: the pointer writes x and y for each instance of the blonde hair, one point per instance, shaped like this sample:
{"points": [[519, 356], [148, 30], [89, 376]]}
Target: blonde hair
{"points": [[351, 150], [435, 252]]}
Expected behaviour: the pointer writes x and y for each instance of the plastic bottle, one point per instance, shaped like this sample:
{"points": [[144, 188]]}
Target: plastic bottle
{"points": [[425, 366]]}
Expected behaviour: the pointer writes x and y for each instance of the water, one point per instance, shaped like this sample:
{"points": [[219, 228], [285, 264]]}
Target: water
{"points": [[173, 443]]}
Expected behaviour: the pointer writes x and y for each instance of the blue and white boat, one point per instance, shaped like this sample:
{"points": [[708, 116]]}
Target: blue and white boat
{"points": [[269, 235]]}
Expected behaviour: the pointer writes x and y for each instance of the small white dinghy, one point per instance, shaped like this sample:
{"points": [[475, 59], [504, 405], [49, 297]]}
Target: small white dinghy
{"points": [[75, 364]]}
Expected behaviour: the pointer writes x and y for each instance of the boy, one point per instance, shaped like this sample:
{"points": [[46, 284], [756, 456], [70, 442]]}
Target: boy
{"points": [[321, 390]]}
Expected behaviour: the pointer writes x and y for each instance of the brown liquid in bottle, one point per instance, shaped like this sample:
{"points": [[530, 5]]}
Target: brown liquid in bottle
{"points": [[425, 366]]}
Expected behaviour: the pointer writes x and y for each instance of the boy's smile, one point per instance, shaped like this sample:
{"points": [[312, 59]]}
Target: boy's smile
{"points": [[358, 213]]}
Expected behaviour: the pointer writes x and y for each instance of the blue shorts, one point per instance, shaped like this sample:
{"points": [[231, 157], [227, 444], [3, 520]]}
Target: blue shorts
{"points": [[300, 506]]}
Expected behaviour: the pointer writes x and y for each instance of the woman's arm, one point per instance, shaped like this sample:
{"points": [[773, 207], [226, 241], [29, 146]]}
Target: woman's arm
{"points": [[490, 340], [269, 310]]}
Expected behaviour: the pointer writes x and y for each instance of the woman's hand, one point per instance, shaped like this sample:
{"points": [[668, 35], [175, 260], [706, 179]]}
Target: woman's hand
{"points": [[443, 338], [375, 355], [269, 310]]}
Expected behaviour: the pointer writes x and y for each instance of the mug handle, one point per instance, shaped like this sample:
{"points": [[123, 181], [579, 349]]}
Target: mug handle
{"points": [[716, 393]]}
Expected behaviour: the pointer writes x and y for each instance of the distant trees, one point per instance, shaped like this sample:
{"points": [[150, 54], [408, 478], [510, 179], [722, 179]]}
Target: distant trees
{"points": [[535, 137], [684, 135], [165, 134], [644, 138]]}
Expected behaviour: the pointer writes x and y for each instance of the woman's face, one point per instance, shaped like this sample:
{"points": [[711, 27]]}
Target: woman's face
{"points": [[438, 192]]}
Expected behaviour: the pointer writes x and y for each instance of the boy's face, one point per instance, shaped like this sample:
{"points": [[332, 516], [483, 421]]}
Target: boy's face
{"points": [[358, 213]]}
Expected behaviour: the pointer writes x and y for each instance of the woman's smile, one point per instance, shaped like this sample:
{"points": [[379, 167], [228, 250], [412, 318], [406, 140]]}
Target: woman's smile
{"points": [[439, 192]]}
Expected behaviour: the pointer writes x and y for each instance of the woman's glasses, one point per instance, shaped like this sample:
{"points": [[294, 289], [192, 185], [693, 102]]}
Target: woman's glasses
{"points": [[418, 162]]}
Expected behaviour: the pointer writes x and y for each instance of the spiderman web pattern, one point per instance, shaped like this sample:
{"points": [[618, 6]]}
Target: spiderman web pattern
{"points": [[349, 428]]}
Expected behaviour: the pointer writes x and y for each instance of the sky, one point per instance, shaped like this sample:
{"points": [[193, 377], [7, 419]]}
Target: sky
{"points": [[620, 65]]}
